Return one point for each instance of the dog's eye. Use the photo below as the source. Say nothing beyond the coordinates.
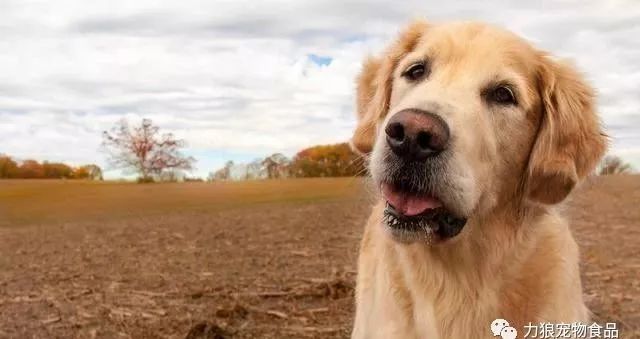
(503, 95)
(415, 72)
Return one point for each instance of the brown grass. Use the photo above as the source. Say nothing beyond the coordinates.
(264, 259)
(44, 201)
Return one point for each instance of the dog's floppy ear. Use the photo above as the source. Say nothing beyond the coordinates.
(374, 87)
(368, 94)
(570, 141)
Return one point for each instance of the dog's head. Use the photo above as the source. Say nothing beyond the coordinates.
(461, 119)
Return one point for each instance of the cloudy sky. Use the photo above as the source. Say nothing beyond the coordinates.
(239, 79)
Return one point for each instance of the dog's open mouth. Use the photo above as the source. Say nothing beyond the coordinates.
(416, 213)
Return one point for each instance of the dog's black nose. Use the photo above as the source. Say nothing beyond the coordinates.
(416, 135)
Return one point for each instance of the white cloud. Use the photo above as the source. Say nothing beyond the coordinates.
(235, 78)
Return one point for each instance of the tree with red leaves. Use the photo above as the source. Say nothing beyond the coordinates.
(144, 150)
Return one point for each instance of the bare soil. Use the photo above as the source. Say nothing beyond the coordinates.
(276, 267)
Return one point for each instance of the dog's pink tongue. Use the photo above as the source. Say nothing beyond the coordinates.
(407, 204)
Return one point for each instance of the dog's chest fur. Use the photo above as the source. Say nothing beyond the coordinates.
(407, 291)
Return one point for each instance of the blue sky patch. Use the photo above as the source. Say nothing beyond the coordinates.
(320, 60)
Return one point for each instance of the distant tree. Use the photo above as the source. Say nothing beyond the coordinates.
(612, 164)
(56, 170)
(170, 176)
(95, 172)
(91, 172)
(143, 150)
(30, 169)
(254, 170)
(226, 170)
(211, 176)
(80, 173)
(8, 167)
(276, 165)
(222, 174)
(327, 161)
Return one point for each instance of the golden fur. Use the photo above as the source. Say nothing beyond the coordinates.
(516, 258)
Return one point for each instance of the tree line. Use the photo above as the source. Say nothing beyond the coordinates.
(156, 156)
(336, 160)
(32, 169)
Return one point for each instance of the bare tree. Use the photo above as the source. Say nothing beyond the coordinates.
(253, 170)
(91, 172)
(144, 150)
(95, 172)
(223, 173)
(276, 165)
(614, 165)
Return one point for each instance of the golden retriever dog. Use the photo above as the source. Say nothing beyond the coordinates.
(473, 137)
